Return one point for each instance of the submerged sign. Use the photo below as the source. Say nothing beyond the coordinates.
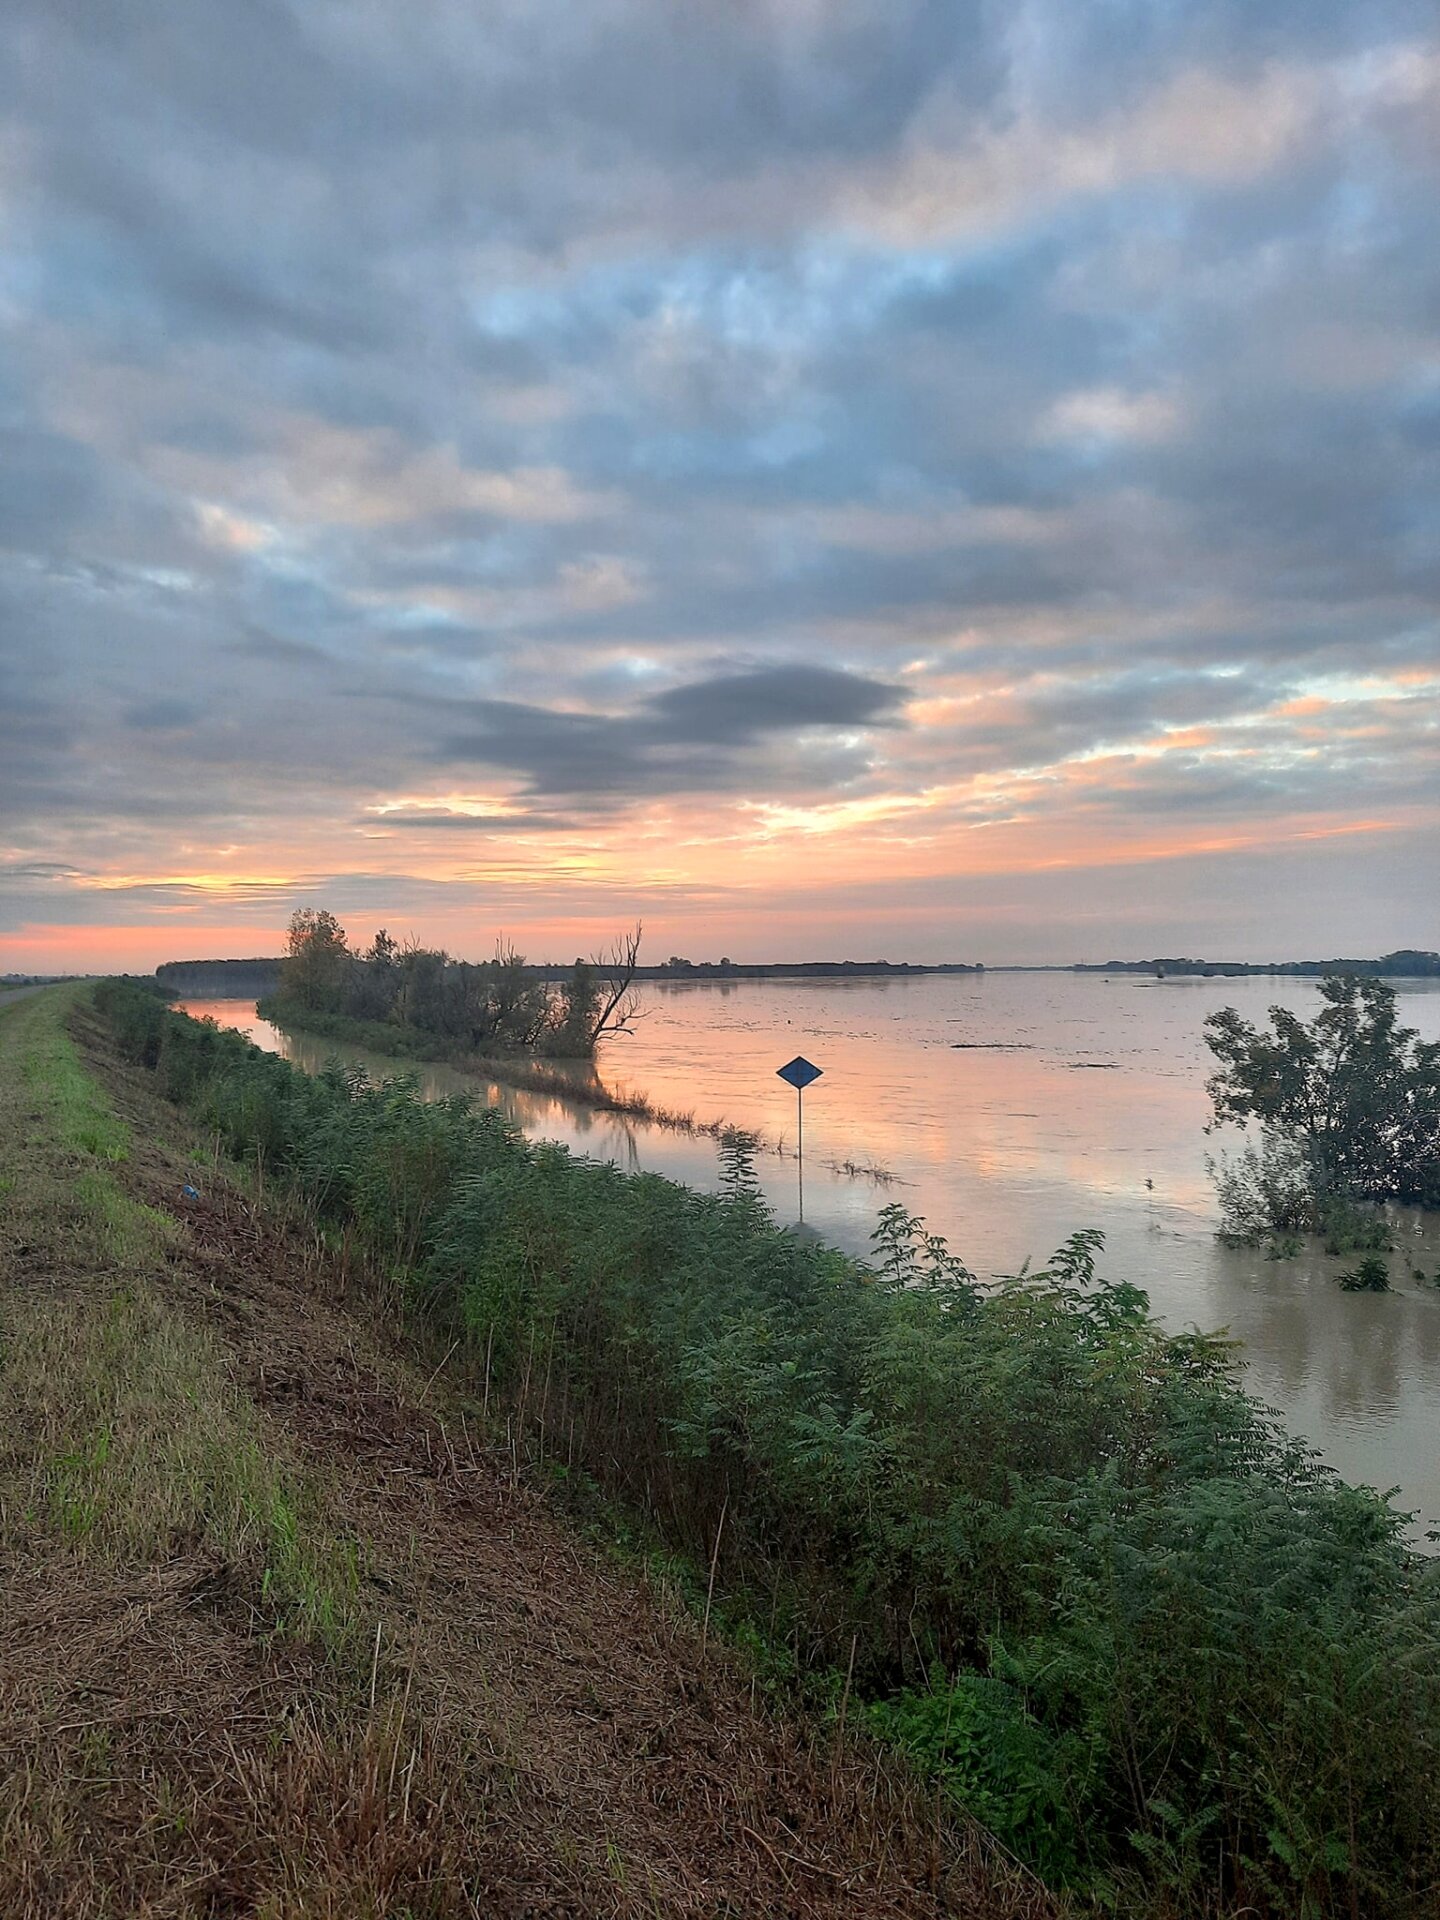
(800, 1072)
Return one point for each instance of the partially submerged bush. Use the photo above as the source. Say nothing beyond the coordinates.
(1371, 1276)
(1353, 1090)
(1268, 1197)
(1265, 1188)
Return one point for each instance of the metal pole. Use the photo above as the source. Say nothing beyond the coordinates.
(800, 1146)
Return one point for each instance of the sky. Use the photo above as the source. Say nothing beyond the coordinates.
(881, 478)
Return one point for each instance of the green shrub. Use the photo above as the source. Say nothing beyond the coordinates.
(1371, 1276)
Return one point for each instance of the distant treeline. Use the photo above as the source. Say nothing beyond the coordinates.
(260, 977)
(221, 978)
(675, 969)
(1407, 963)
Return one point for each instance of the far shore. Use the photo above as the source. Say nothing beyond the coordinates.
(261, 975)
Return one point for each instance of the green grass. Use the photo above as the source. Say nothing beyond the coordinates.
(77, 1116)
(126, 1437)
(122, 1433)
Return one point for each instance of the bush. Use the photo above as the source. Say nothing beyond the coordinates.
(1264, 1189)
(1371, 1276)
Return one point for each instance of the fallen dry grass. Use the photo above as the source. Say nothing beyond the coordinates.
(288, 1635)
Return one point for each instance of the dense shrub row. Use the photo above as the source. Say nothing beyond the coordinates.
(1065, 1560)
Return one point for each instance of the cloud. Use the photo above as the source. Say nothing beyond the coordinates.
(731, 709)
(687, 739)
(1109, 413)
(694, 429)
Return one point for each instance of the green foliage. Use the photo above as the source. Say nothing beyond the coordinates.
(1371, 1276)
(1132, 1625)
(1268, 1198)
(1355, 1094)
(978, 1738)
(1264, 1190)
(1354, 1229)
(430, 1005)
(317, 960)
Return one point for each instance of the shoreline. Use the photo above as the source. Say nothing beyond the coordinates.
(548, 1077)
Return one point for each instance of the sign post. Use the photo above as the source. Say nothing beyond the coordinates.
(800, 1073)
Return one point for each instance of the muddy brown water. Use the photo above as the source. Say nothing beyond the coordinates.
(1013, 1109)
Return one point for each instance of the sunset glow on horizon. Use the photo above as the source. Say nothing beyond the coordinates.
(872, 481)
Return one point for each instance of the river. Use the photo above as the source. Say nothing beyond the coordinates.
(1012, 1109)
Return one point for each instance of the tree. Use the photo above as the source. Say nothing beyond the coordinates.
(572, 1033)
(374, 982)
(317, 960)
(516, 1004)
(501, 1006)
(1358, 1093)
(616, 1002)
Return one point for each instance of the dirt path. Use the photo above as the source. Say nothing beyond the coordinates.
(570, 1746)
(7, 994)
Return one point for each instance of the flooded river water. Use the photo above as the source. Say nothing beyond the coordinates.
(1012, 1109)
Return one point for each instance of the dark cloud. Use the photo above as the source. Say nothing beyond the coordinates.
(734, 708)
(687, 739)
(47, 483)
(425, 819)
(161, 716)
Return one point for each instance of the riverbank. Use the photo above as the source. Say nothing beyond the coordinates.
(574, 1081)
(290, 1626)
(1007, 1526)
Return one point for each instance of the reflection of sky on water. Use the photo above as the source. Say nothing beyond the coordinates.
(1008, 1151)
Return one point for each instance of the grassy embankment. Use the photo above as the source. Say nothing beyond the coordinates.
(285, 1637)
(131, 1468)
(1054, 1553)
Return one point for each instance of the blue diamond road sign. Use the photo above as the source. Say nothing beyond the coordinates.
(799, 1072)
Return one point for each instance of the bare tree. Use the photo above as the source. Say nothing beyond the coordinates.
(617, 1004)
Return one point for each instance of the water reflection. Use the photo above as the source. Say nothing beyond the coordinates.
(1008, 1144)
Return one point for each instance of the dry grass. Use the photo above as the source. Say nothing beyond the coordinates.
(198, 1779)
(122, 1434)
(285, 1636)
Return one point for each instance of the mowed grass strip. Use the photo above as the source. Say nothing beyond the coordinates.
(189, 1720)
(121, 1431)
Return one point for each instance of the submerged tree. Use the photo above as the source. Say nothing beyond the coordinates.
(1355, 1092)
(616, 1001)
